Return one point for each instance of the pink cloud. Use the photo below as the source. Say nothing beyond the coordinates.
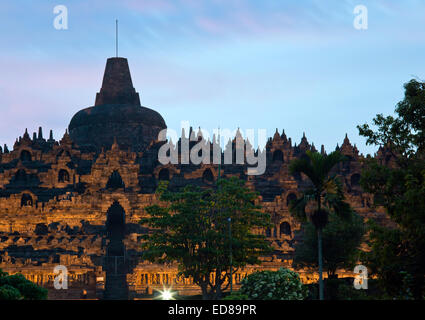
(148, 6)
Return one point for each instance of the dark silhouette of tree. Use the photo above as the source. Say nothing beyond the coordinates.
(397, 252)
(325, 194)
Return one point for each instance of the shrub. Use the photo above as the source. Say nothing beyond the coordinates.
(7, 292)
(283, 284)
(237, 295)
(16, 287)
(343, 289)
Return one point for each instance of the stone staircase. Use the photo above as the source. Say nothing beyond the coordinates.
(116, 287)
(116, 267)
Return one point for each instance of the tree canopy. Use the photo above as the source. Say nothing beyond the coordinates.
(16, 287)
(397, 253)
(205, 231)
(325, 194)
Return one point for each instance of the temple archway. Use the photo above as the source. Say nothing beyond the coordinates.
(115, 227)
(208, 177)
(115, 262)
(21, 176)
(278, 156)
(115, 181)
(63, 176)
(26, 200)
(25, 155)
(285, 229)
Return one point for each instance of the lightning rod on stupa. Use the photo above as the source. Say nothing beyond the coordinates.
(116, 38)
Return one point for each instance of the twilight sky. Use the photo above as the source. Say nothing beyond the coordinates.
(294, 65)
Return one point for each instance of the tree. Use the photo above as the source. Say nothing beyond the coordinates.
(341, 242)
(397, 252)
(16, 287)
(191, 228)
(323, 197)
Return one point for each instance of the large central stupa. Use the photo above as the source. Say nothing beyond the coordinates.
(117, 114)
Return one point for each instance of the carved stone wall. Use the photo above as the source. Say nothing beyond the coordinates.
(54, 210)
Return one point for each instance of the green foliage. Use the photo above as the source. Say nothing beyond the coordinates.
(326, 192)
(283, 284)
(236, 295)
(343, 289)
(191, 227)
(407, 283)
(405, 132)
(16, 287)
(401, 190)
(7, 292)
(341, 240)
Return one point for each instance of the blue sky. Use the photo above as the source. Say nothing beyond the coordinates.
(294, 65)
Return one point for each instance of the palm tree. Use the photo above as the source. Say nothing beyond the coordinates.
(325, 195)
